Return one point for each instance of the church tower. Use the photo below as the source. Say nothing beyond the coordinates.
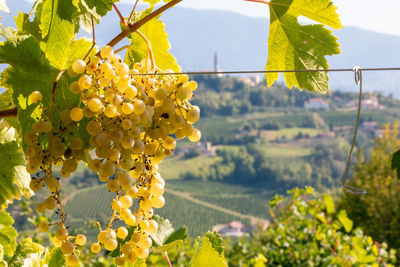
(216, 64)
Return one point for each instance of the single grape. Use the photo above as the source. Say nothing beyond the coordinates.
(44, 226)
(110, 244)
(107, 52)
(76, 114)
(122, 232)
(61, 233)
(67, 247)
(72, 260)
(79, 66)
(36, 97)
(80, 240)
(95, 248)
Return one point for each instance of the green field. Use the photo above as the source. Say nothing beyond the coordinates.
(290, 133)
(343, 118)
(279, 151)
(173, 168)
(94, 204)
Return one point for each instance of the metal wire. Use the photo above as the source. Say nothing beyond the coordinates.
(263, 71)
(350, 189)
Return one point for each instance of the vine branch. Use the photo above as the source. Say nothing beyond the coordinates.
(53, 91)
(133, 27)
(13, 112)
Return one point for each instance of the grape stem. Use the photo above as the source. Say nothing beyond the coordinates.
(132, 12)
(135, 26)
(167, 258)
(13, 112)
(53, 91)
(149, 49)
(120, 16)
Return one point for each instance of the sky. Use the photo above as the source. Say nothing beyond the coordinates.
(380, 16)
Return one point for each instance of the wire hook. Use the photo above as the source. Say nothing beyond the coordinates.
(350, 189)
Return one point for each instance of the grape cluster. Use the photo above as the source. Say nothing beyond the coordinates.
(130, 119)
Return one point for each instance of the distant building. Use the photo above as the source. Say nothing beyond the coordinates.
(326, 135)
(251, 80)
(369, 127)
(316, 103)
(369, 104)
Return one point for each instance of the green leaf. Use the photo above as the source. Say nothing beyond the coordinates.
(396, 162)
(206, 255)
(79, 49)
(4, 7)
(30, 71)
(24, 25)
(154, 31)
(329, 204)
(295, 46)
(25, 249)
(175, 239)
(216, 241)
(153, 2)
(14, 179)
(88, 9)
(55, 258)
(163, 232)
(8, 235)
(58, 31)
(346, 222)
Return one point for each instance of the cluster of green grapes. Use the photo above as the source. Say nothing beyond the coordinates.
(130, 118)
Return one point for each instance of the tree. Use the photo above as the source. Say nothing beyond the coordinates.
(378, 211)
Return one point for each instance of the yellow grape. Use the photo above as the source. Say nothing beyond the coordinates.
(61, 233)
(80, 240)
(67, 247)
(44, 226)
(78, 66)
(72, 260)
(95, 248)
(36, 97)
(122, 232)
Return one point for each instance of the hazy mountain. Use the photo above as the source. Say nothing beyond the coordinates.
(241, 43)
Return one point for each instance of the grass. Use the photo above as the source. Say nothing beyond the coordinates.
(285, 151)
(290, 133)
(173, 168)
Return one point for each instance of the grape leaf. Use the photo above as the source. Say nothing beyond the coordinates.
(8, 235)
(24, 25)
(330, 205)
(346, 222)
(4, 7)
(153, 2)
(24, 249)
(175, 239)
(295, 46)
(58, 31)
(88, 9)
(154, 31)
(164, 230)
(216, 241)
(12, 169)
(29, 71)
(55, 258)
(165, 237)
(206, 255)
